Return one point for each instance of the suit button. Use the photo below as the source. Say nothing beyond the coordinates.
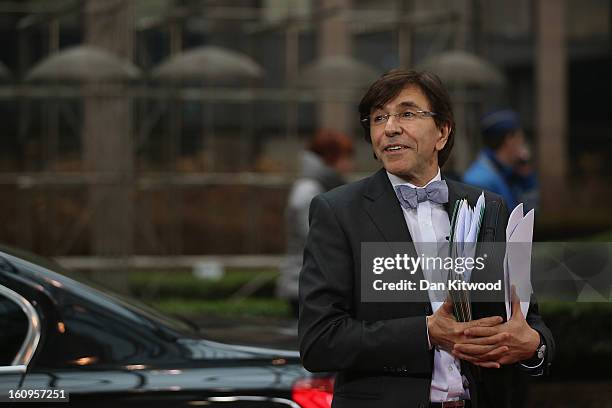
(428, 310)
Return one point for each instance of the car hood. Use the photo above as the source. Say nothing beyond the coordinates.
(200, 349)
(275, 335)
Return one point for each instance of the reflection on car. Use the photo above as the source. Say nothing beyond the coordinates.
(57, 333)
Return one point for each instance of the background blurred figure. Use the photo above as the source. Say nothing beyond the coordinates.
(503, 165)
(328, 156)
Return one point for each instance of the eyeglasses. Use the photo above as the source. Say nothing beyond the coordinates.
(403, 117)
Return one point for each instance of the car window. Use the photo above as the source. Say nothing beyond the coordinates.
(13, 330)
(92, 337)
(130, 309)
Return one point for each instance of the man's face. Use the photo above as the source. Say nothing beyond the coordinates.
(517, 147)
(408, 149)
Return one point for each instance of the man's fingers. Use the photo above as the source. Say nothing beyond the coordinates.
(495, 354)
(482, 353)
(476, 361)
(474, 349)
(481, 331)
(488, 364)
(486, 321)
(497, 339)
(465, 357)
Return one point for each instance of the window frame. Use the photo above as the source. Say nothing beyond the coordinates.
(32, 339)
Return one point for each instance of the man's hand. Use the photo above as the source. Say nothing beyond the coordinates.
(506, 343)
(445, 332)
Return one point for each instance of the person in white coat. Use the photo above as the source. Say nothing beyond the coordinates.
(327, 158)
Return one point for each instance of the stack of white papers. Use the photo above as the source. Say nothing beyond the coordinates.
(517, 261)
(465, 228)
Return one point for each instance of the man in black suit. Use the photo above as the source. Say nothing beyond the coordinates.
(408, 354)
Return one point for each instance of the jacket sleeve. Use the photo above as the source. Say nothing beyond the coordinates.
(330, 337)
(537, 323)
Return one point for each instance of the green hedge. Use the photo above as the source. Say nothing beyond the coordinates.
(243, 308)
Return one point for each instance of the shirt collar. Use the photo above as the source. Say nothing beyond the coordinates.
(396, 181)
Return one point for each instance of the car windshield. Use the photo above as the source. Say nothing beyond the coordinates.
(130, 308)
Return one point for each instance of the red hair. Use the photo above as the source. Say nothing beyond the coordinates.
(331, 145)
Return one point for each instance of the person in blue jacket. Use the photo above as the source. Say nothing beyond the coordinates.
(503, 165)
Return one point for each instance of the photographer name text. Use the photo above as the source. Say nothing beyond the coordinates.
(452, 284)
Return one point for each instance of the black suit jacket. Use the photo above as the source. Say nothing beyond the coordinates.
(380, 350)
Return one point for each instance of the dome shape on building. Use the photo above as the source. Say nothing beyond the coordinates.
(462, 68)
(83, 63)
(208, 63)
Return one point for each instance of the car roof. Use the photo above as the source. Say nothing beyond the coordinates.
(46, 274)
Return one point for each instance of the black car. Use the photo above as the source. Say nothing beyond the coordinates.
(61, 338)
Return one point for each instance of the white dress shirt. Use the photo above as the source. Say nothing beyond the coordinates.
(429, 224)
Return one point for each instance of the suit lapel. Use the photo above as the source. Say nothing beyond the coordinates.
(384, 209)
(455, 193)
(386, 213)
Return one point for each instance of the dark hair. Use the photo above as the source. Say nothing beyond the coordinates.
(390, 84)
(331, 145)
